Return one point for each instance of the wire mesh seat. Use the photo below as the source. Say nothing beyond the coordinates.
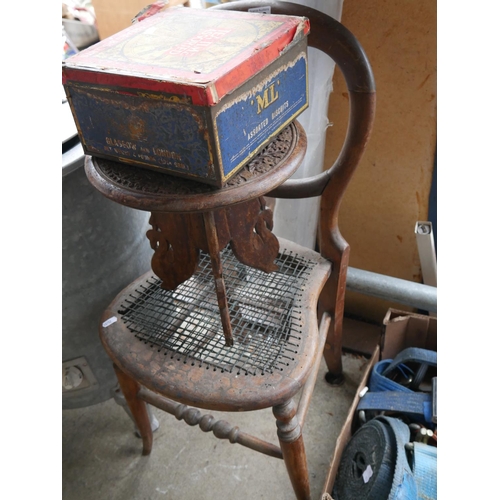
(185, 323)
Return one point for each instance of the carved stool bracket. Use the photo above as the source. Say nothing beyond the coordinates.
(177, 239)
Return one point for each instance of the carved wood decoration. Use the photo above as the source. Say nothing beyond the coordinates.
(175, 258)
(252, 240)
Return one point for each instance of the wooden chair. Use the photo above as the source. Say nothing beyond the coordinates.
(253, 340)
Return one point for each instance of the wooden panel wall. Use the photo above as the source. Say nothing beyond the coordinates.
(390, 190)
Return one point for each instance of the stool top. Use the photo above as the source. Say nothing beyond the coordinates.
(155, 191)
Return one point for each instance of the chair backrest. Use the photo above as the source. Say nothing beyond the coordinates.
(332, 38)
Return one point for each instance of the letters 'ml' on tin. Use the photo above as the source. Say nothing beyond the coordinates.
(191, 92)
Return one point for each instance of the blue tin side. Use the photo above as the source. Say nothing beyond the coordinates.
(151, 132)
(244, 124)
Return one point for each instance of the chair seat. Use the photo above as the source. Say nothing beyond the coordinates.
(172, 341)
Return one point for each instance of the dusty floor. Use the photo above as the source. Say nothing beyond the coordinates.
(102, 456)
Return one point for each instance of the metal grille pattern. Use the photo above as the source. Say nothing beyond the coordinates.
(186, 325)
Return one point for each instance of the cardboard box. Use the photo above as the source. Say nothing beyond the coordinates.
(402, 329)
(192, 92)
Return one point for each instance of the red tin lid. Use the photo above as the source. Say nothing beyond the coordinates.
(202, 53)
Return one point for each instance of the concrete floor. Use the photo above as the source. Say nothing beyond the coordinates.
(102, 456)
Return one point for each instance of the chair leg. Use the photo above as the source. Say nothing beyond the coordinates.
(332, 300)
(292, 446)
(333, 352)
(137, 407)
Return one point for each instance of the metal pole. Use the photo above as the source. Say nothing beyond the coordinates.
(393, 289)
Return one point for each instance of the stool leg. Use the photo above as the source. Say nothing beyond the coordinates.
(220, 287)
(292, 446)
(137, 407)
